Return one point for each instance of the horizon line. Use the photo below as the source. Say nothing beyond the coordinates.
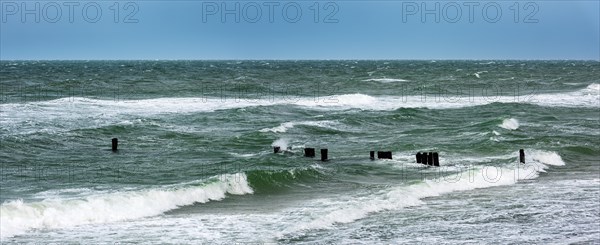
(6, 60)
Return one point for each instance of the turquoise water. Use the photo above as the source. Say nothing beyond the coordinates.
(196, 165)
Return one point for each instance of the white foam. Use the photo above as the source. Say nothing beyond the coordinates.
(353, 100)
(510, 124)
(244, 155)
(344, 101)
(197, 228)
(385, 80)
(592, 89)
(19, 217)
(282, 128)
(478, 74)
(545, 157)
(323, 124)
(581, 98)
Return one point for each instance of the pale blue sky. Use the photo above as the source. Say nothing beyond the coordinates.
(359, 30)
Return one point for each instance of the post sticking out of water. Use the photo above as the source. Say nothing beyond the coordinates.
(419, 157)
(430, 159)
(372, 155)
(384, 154)
(309, 152)
(115, 144)
(436, 159)
(424, 158)
(276, 149)
(323, 155)
(522, 156)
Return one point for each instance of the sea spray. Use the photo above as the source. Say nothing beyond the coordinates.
(282, 142)
(510, 124)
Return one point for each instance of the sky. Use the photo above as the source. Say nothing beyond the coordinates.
(296, 30)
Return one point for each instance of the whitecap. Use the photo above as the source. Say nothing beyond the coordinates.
(510, 124)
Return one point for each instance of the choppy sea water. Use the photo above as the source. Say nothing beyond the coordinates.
(196, 165)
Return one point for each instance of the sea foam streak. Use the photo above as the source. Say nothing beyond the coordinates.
(385, 80)
(19, 217)
(282, 128)
(345, 211)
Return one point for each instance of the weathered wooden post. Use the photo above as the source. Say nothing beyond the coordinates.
(436, 159)
(323, 155)
(430, 159)
(384, 154)
(309, 152)
(115, 144)
(521, 156)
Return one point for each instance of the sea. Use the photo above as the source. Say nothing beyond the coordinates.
(196, 163)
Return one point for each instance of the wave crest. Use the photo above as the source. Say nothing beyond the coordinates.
(510, 124)
(18, 216)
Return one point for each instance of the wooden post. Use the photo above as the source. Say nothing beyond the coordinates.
(522, 156)
(436, 159)
(418, 157)
(323, 155)
(115, 144)
(430, 159)
(372, 155)
(384, 154)
(276, 149)
(309, 152)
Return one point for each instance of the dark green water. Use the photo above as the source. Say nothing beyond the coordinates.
(196, 165)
